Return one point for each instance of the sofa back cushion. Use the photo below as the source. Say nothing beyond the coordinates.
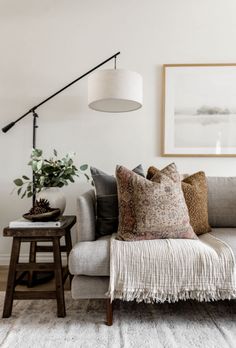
(222, 201)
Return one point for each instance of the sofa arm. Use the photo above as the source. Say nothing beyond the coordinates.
(86, 218)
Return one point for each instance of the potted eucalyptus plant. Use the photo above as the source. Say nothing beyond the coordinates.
(49, 175)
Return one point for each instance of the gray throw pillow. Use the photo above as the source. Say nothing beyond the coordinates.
(107, 200)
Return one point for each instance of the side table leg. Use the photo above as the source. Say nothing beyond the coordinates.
(11, 281)
(68, 250)
(61, 312)
(32, 259)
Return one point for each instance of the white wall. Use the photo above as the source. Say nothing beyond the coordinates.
(46, 44)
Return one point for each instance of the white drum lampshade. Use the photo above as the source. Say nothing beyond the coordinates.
(115, 90)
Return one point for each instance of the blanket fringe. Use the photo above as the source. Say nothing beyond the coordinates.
(140, 295)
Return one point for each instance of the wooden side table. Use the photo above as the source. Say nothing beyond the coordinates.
(34, 235)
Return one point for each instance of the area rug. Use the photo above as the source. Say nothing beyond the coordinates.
(179, 325)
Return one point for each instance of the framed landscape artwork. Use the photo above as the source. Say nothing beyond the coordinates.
(199, 110)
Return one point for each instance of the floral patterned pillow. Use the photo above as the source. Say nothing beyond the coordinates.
(152, 209)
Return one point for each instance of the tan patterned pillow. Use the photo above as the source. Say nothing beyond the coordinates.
(196, 196)
(152, 209)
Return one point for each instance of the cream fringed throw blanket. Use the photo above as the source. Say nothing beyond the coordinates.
(172, 269)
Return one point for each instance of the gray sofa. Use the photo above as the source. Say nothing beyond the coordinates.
(89, 258)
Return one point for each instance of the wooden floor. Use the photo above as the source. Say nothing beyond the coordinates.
(48, 286)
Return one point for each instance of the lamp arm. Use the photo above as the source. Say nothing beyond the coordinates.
(11, 124)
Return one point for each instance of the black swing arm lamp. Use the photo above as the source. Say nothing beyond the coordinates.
(111, 90)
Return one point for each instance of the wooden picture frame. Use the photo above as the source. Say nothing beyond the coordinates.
(199, 110)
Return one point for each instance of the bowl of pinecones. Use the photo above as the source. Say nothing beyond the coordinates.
(42, 211)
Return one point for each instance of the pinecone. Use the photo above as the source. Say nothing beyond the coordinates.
(40, 207)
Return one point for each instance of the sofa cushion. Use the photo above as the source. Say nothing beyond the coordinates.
(84, 287)
(107, 201)
(227, 235)
(152, 209)
(222, 201)
(91, 258)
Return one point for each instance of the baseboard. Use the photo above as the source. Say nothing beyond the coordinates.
(5, 258)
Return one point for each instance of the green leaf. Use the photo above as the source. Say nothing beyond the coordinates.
(55, 152)
(37, 152)
(84, 167)
(29, 194)
(19, 191)
(86, 176)
(39, 164)
(25, 177)
(34, 166)
(41, 180)
(18, 182)
(23, 195)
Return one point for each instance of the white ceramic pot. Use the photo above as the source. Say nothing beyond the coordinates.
(55, 197)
